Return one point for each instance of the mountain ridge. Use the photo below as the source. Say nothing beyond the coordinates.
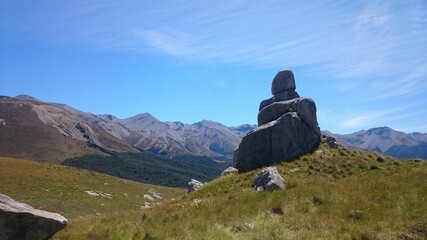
(100, 133)
(387, 141)
(37, 130)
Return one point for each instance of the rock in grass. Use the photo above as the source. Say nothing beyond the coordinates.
(333, 143)
(194, 185)
(229, 170)
(21, 221)
(269, 179)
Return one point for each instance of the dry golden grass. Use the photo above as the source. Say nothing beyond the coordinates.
(332, 194)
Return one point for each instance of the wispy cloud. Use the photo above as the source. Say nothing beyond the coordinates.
(374, 51)
(325, 112)
(342, 38)
(364, 119)
(174, 43)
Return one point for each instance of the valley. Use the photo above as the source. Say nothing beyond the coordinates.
(331, 193)
(213, 120)
(103, 174)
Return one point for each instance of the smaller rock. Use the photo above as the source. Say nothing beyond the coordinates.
(149, 197)
(158, 196)
(194, 185)
(269, 179)
(92, 193)
(319, 152)
(333, 143)
(284, 80)
(229, 170)
(145, 206)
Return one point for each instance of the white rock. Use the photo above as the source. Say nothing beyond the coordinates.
(149, 197)
(229, 170)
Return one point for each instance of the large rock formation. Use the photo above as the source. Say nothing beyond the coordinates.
(21, 221)
(287, 127)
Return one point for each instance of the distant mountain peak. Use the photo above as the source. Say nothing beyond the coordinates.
(380, 130)
(386, 140)
(108, 117)
(143, 116)
(205, 122)
(26, 97)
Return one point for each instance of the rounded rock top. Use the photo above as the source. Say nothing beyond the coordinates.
(283, 81)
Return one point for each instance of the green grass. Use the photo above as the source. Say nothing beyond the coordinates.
(62, 189)
(335, 194)
(331, 194)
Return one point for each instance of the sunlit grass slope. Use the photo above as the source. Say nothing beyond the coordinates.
(331, 194)
(64, 189)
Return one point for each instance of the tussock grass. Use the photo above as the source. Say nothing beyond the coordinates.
(63, 189)
(331, 194)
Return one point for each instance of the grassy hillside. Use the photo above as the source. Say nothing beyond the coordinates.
(63, 189)
(331, 194)
(150, 168)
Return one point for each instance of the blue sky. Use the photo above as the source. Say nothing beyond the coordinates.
(363, 62)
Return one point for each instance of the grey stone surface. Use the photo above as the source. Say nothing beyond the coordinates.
(269, 179)
(229, 170)
(284, 80)
(282, 96)
(21, 221)
(280, 140)
(194, 185)
(305, 107)
(287, 128)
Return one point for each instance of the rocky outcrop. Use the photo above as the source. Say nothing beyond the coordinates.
(287, 128)
(194, 185)
(269, 179)
(21, 221)
(229, 170)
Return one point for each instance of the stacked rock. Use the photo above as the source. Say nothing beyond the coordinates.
(282, 88)
(287, 128)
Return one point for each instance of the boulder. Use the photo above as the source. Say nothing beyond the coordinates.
(305, 108)
(333, 143)
(229, 170)
(287, 128)
(283, 81)
(21, 221)
(269, 179)
(280, 140)
(282, 96)
(194, 185)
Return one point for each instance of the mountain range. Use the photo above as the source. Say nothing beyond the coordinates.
(52, 132)
(386, 141)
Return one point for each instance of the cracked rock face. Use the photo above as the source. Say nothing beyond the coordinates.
(287, 128)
